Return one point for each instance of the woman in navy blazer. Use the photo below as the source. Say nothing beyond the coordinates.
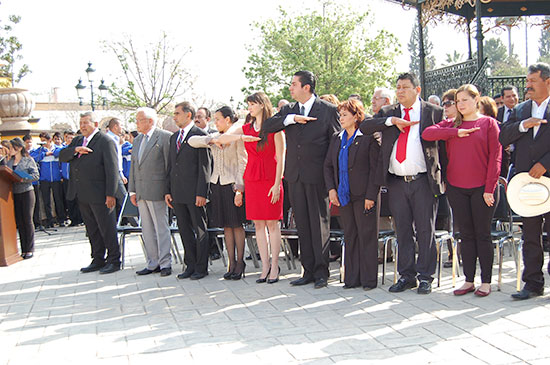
(350, 168)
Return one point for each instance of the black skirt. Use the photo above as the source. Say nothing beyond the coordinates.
(223, 212)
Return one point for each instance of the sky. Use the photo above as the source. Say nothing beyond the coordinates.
(61, 36)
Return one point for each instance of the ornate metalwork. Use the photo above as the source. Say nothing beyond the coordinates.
(480, 79)
(498, 82)
(450, 77)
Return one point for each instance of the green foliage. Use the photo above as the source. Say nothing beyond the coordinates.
(544, 45)
(10, 48)
(453, 58)
(335, 47)
(500, 63)
(414, 50)
(152, 75)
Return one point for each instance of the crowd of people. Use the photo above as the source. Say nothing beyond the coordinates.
(329, 154)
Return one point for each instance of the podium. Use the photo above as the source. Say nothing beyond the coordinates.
(9, 253)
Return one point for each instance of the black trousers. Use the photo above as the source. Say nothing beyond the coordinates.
(361, 240)
(101, 229)
(23, 204)
(36, 211)
(474, 223)
(533, 254)
(71, 205)
(414, 208)
(311, 212)
(57, 189)
(194, 235)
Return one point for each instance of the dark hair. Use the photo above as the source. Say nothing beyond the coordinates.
(113, 122)
(17, 142)
(355, 107)
(409, 76)
(226, 112)
(267, 112)
(449, 95)
(487, 106)
(206, 111)
(307, 78)
(45, 135)
(544, 69)
(508, 87)
(68, 133)
(355, 96)
(57, 134)
(134, 133)
(187, 107)
(26, 137)
(497, 96)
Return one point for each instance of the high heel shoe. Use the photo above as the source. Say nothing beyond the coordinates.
(238, 273)
(264, 279)
(230, 271)
(273, 281)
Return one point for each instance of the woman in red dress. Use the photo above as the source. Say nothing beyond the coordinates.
(263, 183)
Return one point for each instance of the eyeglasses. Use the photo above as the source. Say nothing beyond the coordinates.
(447, 103)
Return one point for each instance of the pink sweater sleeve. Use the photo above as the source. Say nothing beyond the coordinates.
(495, 156)
(441, 131)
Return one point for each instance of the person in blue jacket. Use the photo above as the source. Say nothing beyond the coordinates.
(71, 206)
(50, 180)
(127, 154)
(33, 152)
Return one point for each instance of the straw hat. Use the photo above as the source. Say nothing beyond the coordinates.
(527, 196)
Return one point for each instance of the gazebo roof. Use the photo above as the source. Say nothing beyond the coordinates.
(489, 8)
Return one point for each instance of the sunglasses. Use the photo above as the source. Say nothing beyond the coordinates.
(448, 103)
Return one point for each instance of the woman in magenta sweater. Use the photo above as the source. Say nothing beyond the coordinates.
(474, 155)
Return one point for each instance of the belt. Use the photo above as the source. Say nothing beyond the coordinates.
(409, 178)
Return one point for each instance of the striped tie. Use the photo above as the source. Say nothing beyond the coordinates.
(180, 140)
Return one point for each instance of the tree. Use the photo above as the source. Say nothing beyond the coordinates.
(152, 76)
(334, 46)
(10, 48)
(453, 58)
(414, 50)
(544, 44)
(499, 61)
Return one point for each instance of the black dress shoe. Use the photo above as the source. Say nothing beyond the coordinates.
(346, 286)
(167, 271)
(425, 287)
(109, 269)
(301, 281)
(28, 255)
(526, 294)
(92, 267)
(402, 285)
(186, 274)
(215, 256)
(145, 271)
(198, 275)
(320, 283)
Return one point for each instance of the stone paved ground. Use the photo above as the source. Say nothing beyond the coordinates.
(51, 313)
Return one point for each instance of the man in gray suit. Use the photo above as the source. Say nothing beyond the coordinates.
(148, 174)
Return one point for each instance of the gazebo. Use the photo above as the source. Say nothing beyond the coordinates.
(473, 70)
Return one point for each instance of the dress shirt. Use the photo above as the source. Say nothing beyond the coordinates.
(414, 163)
(356, 134)
(537, 111)
(183, 131)
(89, 138)
(307, 108)
(116, 138)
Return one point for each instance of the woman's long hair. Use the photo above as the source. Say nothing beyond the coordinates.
(267, 112)
(17, 142)
(473, 92)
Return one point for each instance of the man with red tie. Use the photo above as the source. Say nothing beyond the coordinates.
(410, 168)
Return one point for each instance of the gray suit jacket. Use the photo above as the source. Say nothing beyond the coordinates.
(148, 176)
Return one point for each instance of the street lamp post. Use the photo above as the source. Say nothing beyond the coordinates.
(102, 88)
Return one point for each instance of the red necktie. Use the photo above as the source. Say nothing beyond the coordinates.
(401, 151)
(179, 141)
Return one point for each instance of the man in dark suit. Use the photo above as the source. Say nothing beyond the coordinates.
(309, 125)
(94, 182)
(528, 130)
(188, 185)
(410, 168)
(510, 98)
